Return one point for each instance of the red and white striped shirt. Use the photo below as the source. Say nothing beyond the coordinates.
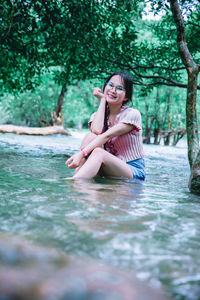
(128, 146)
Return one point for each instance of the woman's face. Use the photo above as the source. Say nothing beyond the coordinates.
(114, 91)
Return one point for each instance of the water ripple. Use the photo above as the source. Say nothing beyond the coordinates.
(151, 227)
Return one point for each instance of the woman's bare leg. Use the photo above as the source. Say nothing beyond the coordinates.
(86, 140)
(109, 164)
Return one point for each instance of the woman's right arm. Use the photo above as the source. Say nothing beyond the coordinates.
(97, 124)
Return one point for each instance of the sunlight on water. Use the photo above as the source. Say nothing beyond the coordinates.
(152, 227)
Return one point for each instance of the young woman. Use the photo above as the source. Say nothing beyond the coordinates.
(114, 145)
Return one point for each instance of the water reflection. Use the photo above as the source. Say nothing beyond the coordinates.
(113, 203)
(108, 191)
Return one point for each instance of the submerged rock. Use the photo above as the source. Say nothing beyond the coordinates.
(31, 272)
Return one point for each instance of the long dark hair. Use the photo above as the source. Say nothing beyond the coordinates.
(128, 86)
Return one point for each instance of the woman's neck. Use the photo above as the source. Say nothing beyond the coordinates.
(114, 109)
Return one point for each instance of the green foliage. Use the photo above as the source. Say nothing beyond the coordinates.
(157, 60)
(77, 41)
(80, 103)
(166, 104)
(32, 108)
(86, 39)
(20, 57)
(36, 108)
(4, 113)
(75, 35)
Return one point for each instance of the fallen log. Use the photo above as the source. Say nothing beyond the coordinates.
(49, 130)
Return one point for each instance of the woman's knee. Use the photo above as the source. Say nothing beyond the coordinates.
(98, 153)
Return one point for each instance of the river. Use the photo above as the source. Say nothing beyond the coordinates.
(151, 227)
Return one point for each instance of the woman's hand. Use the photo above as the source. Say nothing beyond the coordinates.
(75, 160)
(97, 93)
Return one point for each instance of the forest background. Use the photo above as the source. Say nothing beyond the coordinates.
(54, 52)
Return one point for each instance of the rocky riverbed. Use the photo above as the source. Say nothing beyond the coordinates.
(33, 272)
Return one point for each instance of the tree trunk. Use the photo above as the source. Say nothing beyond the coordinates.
(191, 111)
(194, 182)
(147, 139)
(57, 118)
(156, 134)
(49, 130)
(156, 131)
(192, 133)
(178, 136)
(168, 118)
(191, 117)
(167, 140)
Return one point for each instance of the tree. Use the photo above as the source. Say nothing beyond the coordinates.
(165, 64)
(186, 20)
(22, 55)
(193, 69)
(83, 39)
(88, 32)
(74, 37)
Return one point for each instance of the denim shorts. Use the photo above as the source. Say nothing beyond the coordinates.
(138, 168)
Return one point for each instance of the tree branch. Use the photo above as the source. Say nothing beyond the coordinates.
(163, 80)
(194, 24)
(155, 83)
(181, 36)
(158, 67)
(12, 15)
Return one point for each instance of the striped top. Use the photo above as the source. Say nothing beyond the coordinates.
(128, 146)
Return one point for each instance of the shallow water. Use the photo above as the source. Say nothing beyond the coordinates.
(151, 228)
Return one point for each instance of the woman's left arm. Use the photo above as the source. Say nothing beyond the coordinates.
(101, 139)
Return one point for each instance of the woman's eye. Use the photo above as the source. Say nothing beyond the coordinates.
(119, 88)
(110, 84)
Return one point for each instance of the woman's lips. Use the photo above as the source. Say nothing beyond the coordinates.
(111, 96)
